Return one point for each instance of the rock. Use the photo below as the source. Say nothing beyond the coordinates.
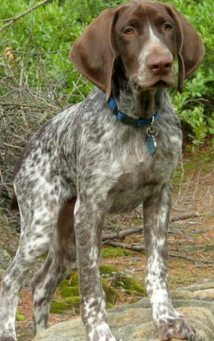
(204, 290)
(134, 321)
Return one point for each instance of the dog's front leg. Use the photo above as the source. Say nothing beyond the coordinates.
(88, 227)
(169, 322)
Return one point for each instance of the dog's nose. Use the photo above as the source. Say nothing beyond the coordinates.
(160, 64)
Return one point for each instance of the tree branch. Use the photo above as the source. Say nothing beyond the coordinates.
(140, 247)
(130, 231)
(132, 247)
(184, 216)
(122, 234)
(29, 10)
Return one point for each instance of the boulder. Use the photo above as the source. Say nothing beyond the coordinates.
(134, 321)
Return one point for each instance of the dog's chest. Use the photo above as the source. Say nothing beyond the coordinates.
(133, 183)
(134, 173)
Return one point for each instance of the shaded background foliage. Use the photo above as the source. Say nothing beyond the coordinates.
(37, 79)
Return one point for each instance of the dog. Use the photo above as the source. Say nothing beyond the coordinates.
(113, 151)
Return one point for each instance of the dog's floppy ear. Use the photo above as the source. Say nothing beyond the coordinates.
(93, 53)
(190, 48)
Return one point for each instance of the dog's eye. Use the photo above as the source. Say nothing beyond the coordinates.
(129, 30)
(167, 27)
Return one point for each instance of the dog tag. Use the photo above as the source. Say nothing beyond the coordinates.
(151, 144)
(150, 139)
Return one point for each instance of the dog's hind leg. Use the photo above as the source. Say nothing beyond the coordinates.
(62, 255)
(37, 220)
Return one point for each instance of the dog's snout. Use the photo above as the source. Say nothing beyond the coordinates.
(160, 64)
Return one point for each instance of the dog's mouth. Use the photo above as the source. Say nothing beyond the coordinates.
(163, 82)
(166, 82)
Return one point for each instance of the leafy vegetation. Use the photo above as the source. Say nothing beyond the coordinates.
(37, 78)
(195, 104)
(40, 44)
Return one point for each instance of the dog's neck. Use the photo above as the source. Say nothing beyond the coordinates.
(142, 104)
(137, 103)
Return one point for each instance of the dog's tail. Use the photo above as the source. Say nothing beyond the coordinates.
(14, 203)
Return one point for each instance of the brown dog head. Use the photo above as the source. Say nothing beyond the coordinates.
(146, 37)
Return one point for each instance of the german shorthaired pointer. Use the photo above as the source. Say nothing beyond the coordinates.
(111, 152)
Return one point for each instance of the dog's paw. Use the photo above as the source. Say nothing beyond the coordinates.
(176, 328)
(100, 332)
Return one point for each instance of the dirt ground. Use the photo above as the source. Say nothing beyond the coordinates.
(190, 241)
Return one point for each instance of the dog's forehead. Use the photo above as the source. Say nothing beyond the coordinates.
(142, 11)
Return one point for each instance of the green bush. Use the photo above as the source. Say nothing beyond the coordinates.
(195, 104)
(42, 39)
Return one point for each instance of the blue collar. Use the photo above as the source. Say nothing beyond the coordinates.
(122, 117)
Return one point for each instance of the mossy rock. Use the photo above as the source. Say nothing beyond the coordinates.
(129, 284)
(111, 252)
(114, 284)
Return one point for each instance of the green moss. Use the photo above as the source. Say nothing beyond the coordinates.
(71, 281)
(69, 291)
(19, 316)
(58, 307)
(109, 305)
(64, 284)
(73, 301)
(114, 284)
(111, 252)
(107, 269)
(130, 285)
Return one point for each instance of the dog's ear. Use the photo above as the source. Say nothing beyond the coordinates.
(93, 53)
(190, 48)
